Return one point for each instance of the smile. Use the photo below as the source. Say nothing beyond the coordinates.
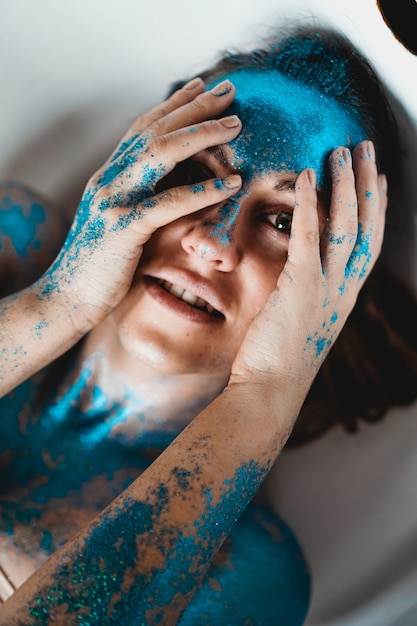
(187, 296)
(183, 295)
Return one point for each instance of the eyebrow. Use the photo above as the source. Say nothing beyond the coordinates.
(285, 185)
(218, 153)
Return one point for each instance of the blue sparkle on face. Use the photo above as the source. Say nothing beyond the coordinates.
(287, 125)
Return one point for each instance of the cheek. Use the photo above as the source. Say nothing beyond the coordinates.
(260, 282)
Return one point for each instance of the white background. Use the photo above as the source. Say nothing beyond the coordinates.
(73, 75)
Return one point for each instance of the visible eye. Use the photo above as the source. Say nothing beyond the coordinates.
(281, 220)
(185, 173)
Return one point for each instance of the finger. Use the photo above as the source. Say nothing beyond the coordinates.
(178, 99)
(205, 106)
(304, 242)
(177, 202)
(371, 212)
(342, 231)
(168, 150)
(181, 144)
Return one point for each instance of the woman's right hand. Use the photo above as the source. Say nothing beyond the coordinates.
(119, 210)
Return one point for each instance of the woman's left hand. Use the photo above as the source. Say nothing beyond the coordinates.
(320, 282)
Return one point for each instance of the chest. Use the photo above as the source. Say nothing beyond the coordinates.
(59, 467)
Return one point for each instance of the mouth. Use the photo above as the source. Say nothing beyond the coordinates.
(187, 297)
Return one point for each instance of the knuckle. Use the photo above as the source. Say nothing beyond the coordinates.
(179, 97)
(312, 237)
(171, 197)
(199, 107)
(161, 143)
(100, 196)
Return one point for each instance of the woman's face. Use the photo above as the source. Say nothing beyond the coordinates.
(203, 278)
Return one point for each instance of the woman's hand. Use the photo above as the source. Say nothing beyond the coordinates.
(319, 285)
(120, 211)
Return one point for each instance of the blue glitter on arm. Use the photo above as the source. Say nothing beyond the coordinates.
(133, 566)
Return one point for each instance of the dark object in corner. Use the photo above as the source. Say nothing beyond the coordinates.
(401, 17)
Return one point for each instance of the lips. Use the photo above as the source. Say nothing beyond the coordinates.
(187, 296)
(186, 299)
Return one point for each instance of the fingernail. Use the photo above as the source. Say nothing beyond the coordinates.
(222, 89)
(230, 122)
(347, 157)
(232, 182)
(193, 84)
(384, 183)
(311, 175)
(371, 150)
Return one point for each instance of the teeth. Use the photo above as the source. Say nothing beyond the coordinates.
(176, 291)
(187, 296)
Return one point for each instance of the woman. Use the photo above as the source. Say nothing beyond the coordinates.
(211, 265)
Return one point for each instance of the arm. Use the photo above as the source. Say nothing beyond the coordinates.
(117, 215)
(141, 559)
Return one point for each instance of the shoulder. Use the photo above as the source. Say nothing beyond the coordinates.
(32, 230)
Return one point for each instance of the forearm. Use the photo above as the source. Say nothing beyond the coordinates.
(142, 558)
(36, 326)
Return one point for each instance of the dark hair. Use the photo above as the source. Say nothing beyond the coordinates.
(373, 364)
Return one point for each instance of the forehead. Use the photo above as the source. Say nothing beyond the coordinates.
(287, 125)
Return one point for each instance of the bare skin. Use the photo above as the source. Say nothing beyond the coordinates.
(236, 435)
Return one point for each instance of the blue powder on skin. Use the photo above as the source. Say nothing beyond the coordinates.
(105, 589)
(260, 577)
(361, 253)
(21, 225)
(219, 184)
(81, 446)
(120, 162)
(323, 341)
(320, 343)
(46, 541)
(222, 223)
(287, 125)
(197, 188)
(336, 239)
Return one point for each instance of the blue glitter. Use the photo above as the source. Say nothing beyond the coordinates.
(20, 225)
(260, 577)
(80, 445)
(337, 239)
(197, 188)
(223, 222)
(219, 184)
(46, 541)
(320, 343)
(104, 587)
(287, 125)
(361, 252)
(121, 161)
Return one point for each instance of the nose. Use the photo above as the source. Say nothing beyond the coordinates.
(213, 236)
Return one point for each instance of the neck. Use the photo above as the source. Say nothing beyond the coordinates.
(113, 383)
